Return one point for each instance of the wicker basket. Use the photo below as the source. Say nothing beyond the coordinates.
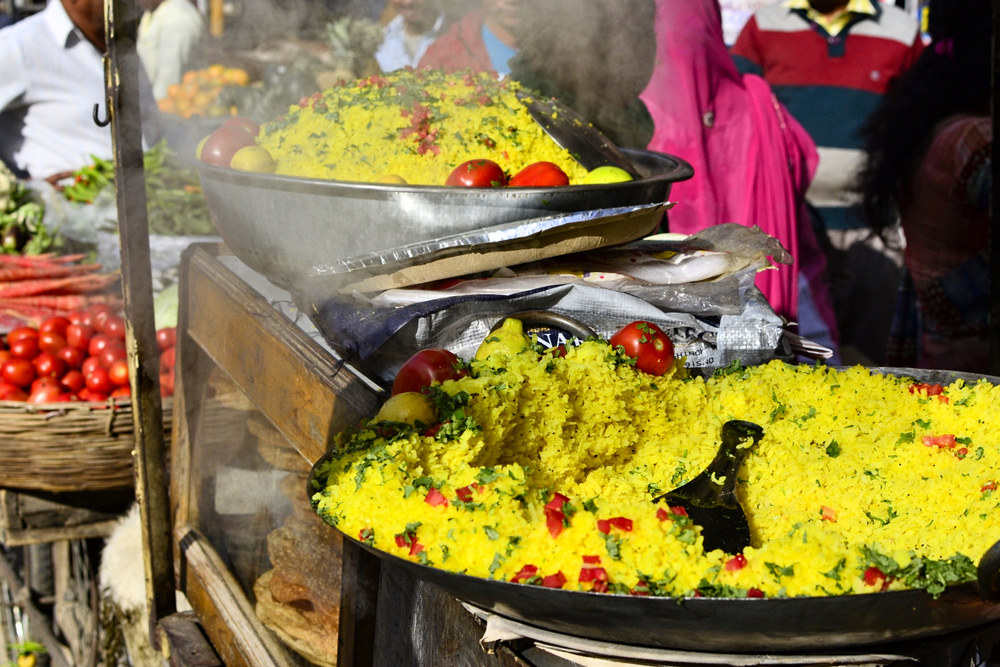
(72, 447)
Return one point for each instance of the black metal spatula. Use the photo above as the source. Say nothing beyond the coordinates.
(712, 505)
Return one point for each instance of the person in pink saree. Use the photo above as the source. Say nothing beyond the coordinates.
(752, 161)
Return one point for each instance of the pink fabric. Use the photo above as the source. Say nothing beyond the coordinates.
(752, 161)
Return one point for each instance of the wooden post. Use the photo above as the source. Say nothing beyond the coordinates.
(216, 18)
(121, 22)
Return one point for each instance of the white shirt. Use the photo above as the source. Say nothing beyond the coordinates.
(168, 37)
(393, 54)
(51, 79)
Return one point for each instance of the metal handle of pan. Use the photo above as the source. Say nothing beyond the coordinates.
(989, 575)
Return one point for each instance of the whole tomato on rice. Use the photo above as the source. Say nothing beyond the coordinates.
(427, 367)
(539, 175)
(477, 174)
(647, 344)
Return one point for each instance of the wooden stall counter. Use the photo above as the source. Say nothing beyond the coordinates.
(259, 397)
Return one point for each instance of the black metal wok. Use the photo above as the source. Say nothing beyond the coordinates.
(771, 625)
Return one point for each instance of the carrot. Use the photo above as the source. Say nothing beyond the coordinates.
(77, 284)
(67, 259)
(67, 302)
(13, 274)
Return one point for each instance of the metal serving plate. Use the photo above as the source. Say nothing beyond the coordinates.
(282, 226)
(745, 625)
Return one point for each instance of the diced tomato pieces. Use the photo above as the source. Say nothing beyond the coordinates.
(600, 587)
(622, 523)
(525, 573)
(698, 594)
(400, 541)
(557, 502)
(989, 486)
(557, 580)
(944, 399)
(961, 453)
(415, 548)
(588, 574)
(554, 522)
(604, 526)
(679, 510)
(433, 430)
(478, 487)
(872, 575)
(931, 389)
(755, 593)
(592, 560)
(435, 498)
(736, 563)
(362, 534)
(827, 513)
(464, 494)
(661, 514)
(946, 441)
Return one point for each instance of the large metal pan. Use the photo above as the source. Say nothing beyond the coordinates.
(770, 625)
(282, 226)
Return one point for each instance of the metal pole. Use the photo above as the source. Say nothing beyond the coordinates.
(122, 83)
(994, 324)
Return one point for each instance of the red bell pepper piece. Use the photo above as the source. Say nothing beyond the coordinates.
(661, 514)
(679, 510)
(946, 441)
(622, 523)
(755, 593)
(464, 494)
(604, 526)
(557, 502)
(435, 498)
(592, 560)
(589, 574)
(557, 580)
(736, 563)
(554, 522)
(931, 389)
(525, 573)
(989, 486)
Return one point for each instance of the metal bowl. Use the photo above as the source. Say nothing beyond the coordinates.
(282, 226)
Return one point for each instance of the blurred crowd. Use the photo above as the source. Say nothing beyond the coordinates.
(857, 137)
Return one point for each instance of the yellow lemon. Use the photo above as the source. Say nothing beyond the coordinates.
(391, 179)
(408, 408)
(607, 174)
(508, 340)
(253, 158)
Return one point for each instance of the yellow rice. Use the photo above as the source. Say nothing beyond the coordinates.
(359, 131)
(610, 438)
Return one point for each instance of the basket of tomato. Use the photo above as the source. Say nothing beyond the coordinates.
(65, 408)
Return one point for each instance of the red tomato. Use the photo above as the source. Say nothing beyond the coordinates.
(89, 364)
(79, 335)
(425, 368)
(110, 355)
(11, 392)
(118, 372)
(98, 308)
(115, 327)
(168, 359)
(100, 342)
(21, 333)
(92, 396)
(54, 325)
(98, 380)
(166, 338)
(49, 394)
(49, 341)
(101, 318)
(74, 318)
(73, 381)
(222, 144)
(44, 382)
(87, 320)
(245, 124)
(477, 174)
(4, 356)
(121, 392)
(647, 344)
(167, 384)
(18, 371)
(26, 348)
(539, 175)
(49, 365)
(72, 357)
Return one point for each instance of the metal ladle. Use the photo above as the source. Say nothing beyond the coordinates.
(585, 143)
(710, 498)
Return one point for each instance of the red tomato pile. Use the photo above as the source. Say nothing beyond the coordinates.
(76, 358)
(488, 174)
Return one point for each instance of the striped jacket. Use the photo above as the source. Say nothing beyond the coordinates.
(831, 84)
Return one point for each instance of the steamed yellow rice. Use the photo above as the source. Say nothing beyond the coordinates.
(419, 125)
(611, 438)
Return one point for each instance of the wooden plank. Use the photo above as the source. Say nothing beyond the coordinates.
(183, 644)
(227, 615)
(359, 595)
(20, 538)
(40, 624)
(299, 386)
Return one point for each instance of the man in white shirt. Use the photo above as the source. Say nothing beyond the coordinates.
(53, 75)
(409, 34)
(169, 38)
